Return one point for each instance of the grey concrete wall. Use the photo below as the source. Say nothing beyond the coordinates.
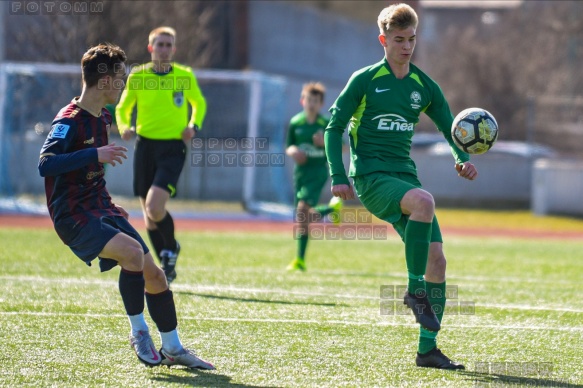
(302, 42)
(309, 45)
(557, 187)
(504, 181)
(304, 45)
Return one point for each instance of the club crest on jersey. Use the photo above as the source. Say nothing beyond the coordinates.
(59, 131)
(416, 99)
(178, 98)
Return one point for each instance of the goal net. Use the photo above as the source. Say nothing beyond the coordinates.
(238, 157)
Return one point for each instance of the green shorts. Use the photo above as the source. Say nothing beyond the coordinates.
(381, 194)
(309, 184)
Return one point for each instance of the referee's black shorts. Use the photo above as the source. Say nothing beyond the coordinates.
(157, 163)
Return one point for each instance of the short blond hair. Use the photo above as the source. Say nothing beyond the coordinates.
(397, 16)
(314, 89)
(156, 32)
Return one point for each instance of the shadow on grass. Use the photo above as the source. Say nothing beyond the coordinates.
(255, 300)
(199, 378)
(481, 379)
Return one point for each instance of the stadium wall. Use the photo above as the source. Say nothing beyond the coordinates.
(504, 181)
(234, 112)
(557, 187)
(306, 44)
(497, 187)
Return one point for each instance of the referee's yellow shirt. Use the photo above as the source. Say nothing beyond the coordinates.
(162, 102)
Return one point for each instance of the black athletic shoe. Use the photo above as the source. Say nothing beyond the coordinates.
(436, 359)
(168, 259)
(422, 310)
(170, 276)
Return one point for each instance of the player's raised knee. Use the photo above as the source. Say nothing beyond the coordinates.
(420, 204)
(426, 203)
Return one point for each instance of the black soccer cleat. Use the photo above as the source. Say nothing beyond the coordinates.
(168, 259)
(424, 314)
(435, 359)
(170, 276)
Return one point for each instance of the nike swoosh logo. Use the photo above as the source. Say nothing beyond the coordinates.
(154, 353)
(168, 357)
(380, 90)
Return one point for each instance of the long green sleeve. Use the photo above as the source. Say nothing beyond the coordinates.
(333, 145)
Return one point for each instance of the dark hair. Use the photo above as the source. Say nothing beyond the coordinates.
(101, 60)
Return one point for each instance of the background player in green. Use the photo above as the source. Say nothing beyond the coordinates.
(381, 105)
(305, 144)
(162, 91)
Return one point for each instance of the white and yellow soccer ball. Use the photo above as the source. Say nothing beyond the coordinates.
(474, 130)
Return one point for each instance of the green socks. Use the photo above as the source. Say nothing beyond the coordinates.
(417, 236)
(417, 240)
(303, 239)
(302, 245)
(436, 296)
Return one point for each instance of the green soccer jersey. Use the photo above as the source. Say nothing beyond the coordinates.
(381, 112)
(300, 134)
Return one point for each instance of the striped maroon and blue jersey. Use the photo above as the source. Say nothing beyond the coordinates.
(74, 178)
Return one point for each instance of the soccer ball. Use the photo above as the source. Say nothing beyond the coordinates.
(474, 130)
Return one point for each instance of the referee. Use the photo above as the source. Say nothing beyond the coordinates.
(161, 90)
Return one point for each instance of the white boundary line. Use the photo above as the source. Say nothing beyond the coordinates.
(301, 321)
(235, 289)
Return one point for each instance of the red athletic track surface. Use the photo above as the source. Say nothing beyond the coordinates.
(20, 221)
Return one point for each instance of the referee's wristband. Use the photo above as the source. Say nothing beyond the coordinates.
(195, 128)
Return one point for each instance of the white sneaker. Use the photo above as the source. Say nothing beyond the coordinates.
(185, 357)
(145, 349)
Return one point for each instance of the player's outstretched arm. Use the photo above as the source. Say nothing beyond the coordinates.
(467, 170)
(111, 154)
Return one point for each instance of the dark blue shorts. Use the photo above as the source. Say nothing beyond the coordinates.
(88, 241)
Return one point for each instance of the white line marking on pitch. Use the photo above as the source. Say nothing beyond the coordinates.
(299, 321)
(235, 289)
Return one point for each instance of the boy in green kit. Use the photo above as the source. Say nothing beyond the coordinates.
(381, 105)
(305, 144)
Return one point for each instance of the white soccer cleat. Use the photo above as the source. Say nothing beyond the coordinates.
(186, 358)
(145, 349)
